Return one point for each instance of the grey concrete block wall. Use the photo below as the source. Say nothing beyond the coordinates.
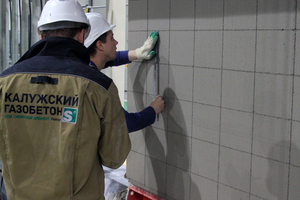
(229, 71)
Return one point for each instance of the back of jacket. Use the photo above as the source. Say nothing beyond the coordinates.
(61, 120)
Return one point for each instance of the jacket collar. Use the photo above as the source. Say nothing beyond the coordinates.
(93, 65)
(58, 46)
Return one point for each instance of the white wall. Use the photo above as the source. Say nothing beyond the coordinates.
(229, 71)
(116, 14)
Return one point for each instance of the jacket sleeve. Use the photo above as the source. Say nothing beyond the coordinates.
(121, 59)
(114, 143)
(140, 120)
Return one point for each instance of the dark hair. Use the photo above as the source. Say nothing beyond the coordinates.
(63, 32)
(92, 48)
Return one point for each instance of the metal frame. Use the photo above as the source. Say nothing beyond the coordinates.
(18, 28)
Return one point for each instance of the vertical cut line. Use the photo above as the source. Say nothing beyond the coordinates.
(193, 86)
(168, 98)
(168, 62)
(292, 105)
(253, 106)
(221, 91)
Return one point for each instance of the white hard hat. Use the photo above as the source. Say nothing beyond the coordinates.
(99, 26)
(58, 14)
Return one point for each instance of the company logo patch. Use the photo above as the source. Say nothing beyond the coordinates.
(69, 115)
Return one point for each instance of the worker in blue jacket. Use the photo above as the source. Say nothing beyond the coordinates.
(97, 42)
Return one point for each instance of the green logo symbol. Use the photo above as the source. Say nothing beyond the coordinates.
(69, 115)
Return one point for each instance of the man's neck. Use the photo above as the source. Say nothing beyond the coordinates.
(100, 63)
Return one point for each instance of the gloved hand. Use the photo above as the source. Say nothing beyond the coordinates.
(145, 52)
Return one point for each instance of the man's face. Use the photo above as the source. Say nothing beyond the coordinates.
(110, 47)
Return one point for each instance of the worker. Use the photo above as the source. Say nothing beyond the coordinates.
(61, 120)
(97, 42)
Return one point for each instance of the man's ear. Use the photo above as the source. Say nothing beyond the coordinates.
(99, 45)
(41, 37)
(81, 35)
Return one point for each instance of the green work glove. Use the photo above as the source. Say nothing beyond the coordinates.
(145, 52)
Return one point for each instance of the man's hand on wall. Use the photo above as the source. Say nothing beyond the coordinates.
(158, 104)
(145, 52)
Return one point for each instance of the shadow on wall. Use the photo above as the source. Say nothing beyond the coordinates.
(276, 171)
(277, 176)
(155, 147)
(294, 192)
(170, 170)
(178, 152)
